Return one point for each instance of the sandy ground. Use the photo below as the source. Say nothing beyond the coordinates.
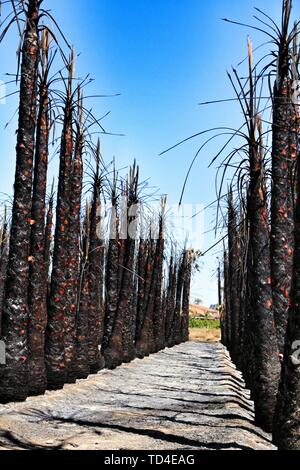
(188, 397)
(205, 334)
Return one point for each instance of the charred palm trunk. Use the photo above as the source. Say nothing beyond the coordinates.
(171, 305)
(134, 307)
(146, 328)
(164, 316)
(80, 367)
(57, 308)
(142, 262)
(158, 318)
(286, 424)
(186, 296)
(233, 259)
(266, 357)
(176, 327)
(38, 276)
(247, 319)
(129, 327)
(227, 304)
(111, 280)
(14, 382)
(96, 276)
(117, 349)
(223, 306)
(123, 233)
(219, 287)
(4, 247)
(283, 156)
(48, 237)
(150, 311)
(74, 228)
(244, 311)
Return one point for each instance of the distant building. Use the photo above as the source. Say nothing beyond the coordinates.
(200, 311)
(214, 307)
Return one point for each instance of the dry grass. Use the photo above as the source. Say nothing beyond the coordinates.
(205, 335)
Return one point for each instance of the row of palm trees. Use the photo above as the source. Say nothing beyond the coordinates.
(261, 317)
(77, 296)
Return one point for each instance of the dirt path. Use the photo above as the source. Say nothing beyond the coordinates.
(188, 397)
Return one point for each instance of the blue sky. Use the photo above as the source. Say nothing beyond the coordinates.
(164, 57)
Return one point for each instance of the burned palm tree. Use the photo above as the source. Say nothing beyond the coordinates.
(58, 301)
(266, 367)
(176, 324)
(115, 351)
(244, 340)
(151, 299)
(158, 317)
(4, 247)
(130, 263)
(96, 273)
(286, 422)
(234, 268)
(171, 302)
(15, 309)
(227, 305)
(141, 270)
(284, 151)
(144, 335)
(73, 238)
(112, 270)
(259, 329)
(80, 366)
(38, 272)
(48, 238)
(190, 259)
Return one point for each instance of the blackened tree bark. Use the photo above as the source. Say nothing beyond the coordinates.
(4, 249)
(286, 423)
(38, 276)
(14, 382)
(186, 296)
(234, 269)
(227, 304)
(73, 242)
(219, 287)
(96, 276)
(150, 309)
(176, 327)
(141, 269)
(112, 271)
(283, 156)
(171, 304)
(158, 318)
(145, 332)
(133, 316)
(58, 301)
(242, 355)
(130, 313)
(266, 356)
(48, 238)
(80, 367)
(115, 352)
